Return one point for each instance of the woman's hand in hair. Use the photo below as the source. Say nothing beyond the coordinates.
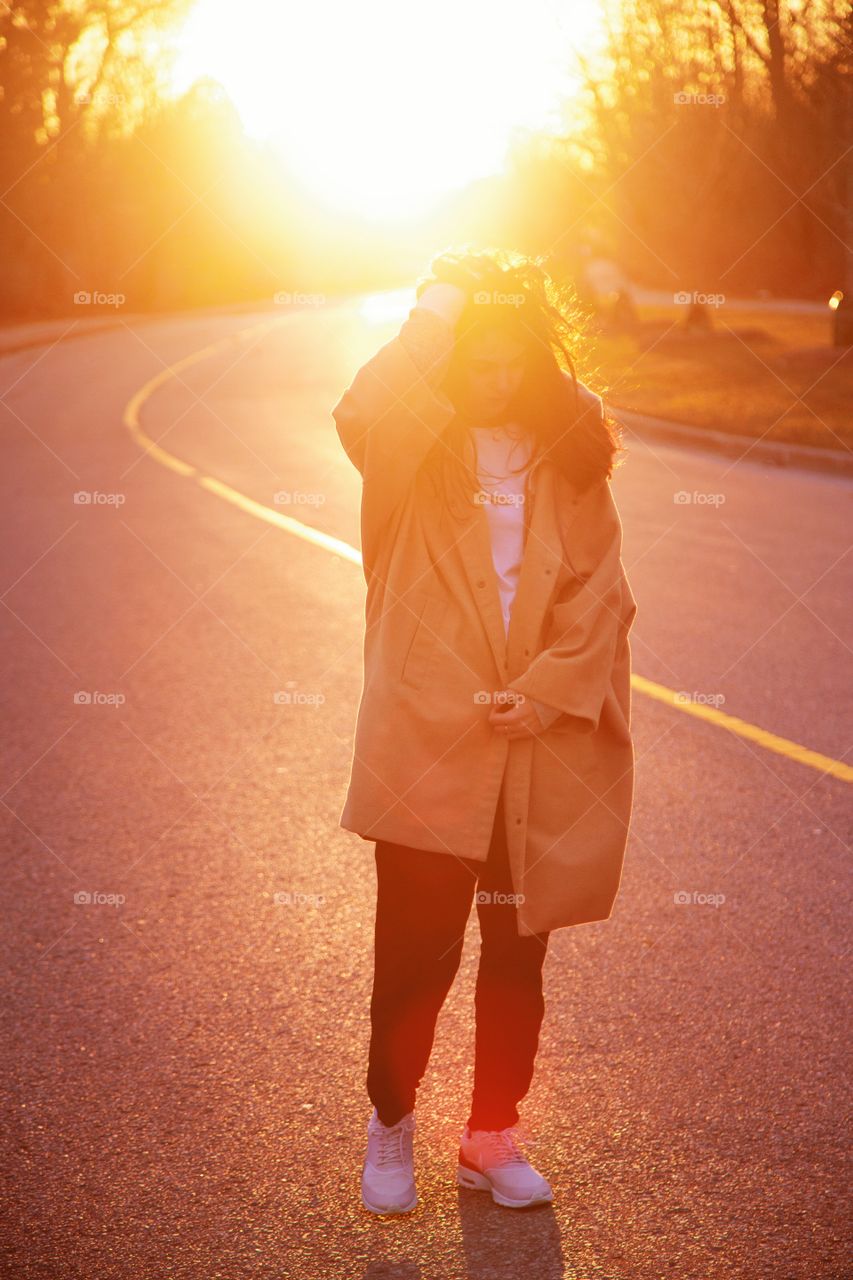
(465, 278)
(445, 300)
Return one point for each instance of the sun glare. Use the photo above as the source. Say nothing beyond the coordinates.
(382, 108)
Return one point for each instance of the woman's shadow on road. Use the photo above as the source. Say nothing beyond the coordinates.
(499, 1244)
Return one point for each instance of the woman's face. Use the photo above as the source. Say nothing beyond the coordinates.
(492, 369)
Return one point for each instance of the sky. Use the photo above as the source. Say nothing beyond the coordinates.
(380, 108)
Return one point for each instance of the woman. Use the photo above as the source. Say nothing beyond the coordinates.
(492, 747)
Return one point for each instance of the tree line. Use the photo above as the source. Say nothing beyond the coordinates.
(709, 150)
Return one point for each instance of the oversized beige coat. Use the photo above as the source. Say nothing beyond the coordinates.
(427, 765)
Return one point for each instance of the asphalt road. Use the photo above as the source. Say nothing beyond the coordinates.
(185, 1051)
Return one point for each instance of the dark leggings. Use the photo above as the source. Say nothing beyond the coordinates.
(422, 907)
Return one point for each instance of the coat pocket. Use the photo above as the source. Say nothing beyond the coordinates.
(424, 648)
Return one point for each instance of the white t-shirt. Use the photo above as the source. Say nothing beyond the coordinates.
(503, 459)
(500, 451)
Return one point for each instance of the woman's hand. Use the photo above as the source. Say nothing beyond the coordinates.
(514, 716)
(445, 300)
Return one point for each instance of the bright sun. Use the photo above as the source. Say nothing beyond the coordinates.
(382, 107)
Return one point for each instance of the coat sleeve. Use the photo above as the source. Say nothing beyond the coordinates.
(546, 714)
(588, 620)
(393, 412)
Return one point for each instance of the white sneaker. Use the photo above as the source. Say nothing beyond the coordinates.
(489, 1160)
(388, 1176)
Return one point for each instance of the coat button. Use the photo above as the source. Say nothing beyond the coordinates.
(481, 583)
(518, 820)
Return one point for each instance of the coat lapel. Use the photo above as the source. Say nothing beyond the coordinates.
(539, 569)
(476, 550)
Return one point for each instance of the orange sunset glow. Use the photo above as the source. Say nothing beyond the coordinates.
(380, 114)
(425, 637)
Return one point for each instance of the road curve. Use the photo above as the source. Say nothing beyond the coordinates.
(188, 937)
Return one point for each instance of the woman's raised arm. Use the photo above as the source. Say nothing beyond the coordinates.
(393, 412)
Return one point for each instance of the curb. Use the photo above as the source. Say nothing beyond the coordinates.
(48, 337)
(52, 330)
(837, 462)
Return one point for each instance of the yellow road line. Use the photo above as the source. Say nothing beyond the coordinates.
(304, 531)
(222, 490)
(770, 741)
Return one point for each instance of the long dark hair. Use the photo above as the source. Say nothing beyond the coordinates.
(514, 294)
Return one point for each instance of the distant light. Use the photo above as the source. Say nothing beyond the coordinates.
(383, 308)
(429, 106)
(835, 300)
